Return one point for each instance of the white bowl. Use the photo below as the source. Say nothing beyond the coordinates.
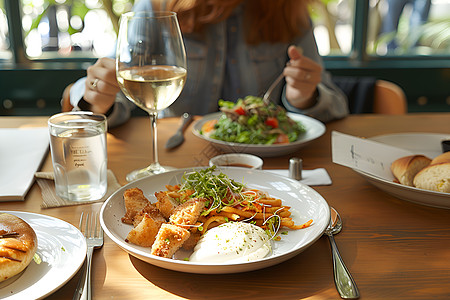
(314, 130)
(237, 160)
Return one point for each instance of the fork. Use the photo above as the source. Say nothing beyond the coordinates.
(94, 240)
(268, 94)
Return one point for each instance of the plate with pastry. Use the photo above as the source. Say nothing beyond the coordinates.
(43, 254)
(422, 177)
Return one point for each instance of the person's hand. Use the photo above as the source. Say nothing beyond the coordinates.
(101, 85)
(302, 76)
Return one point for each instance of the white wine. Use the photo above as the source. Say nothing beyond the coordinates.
(150, 68)
(153, 87)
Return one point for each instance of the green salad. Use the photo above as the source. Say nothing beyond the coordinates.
(251, 121)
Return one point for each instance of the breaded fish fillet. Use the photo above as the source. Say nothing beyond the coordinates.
(186, 214)
(168, 240)
(144, 234)
(151, 210)
(135, 201)
(165, 204)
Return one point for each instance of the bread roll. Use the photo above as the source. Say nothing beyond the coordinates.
(18, 244)
(435, 177)
(405, 168)
(444, 157)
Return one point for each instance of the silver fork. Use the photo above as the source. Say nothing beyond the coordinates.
(94, 240)
(268, 93)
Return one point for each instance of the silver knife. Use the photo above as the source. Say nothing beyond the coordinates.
(178, 138)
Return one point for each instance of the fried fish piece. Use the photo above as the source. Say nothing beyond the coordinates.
(187, 214)
(168, 240)
(151, 210)
(165, 203)
(135, 201)
(144, 234)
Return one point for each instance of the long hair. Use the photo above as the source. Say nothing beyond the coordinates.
(265, 20)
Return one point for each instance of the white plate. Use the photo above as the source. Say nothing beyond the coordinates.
(428, 144)
(305, 204)
(62, 249)
(314, 130)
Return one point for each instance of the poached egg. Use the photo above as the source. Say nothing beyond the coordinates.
(232, 242)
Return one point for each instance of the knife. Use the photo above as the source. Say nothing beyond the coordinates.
(178, 138)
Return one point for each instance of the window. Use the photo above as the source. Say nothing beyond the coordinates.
(49, 44)
(408, 27)
(70, 29)
(413, 54)
(5, 52)
(392, 28)
(333, 26)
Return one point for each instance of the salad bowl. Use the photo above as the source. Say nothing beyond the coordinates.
(313, 130)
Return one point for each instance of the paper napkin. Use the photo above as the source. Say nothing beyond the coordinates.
(309, 177)
(21, 154)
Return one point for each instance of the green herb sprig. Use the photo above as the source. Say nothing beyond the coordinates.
(215, 187)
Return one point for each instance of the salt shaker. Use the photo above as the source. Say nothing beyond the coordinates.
(295, 168)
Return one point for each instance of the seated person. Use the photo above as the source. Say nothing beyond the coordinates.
(234, 48)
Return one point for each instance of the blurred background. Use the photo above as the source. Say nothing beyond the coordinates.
(47, 44)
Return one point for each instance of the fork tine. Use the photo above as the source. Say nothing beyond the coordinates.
(81, 221)
(96, 224)
(87, 229)
(90, 227)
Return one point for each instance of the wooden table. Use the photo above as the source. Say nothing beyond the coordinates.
(393, 248)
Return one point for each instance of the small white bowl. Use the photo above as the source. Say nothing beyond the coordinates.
(237, 160)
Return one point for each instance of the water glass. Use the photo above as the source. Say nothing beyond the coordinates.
(78, 148)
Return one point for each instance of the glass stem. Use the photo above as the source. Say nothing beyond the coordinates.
(153, 119)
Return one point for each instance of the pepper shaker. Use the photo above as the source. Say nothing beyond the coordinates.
(295, 168)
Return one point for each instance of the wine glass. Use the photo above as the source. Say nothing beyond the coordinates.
(150, 69)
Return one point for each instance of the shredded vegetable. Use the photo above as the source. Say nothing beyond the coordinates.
(233, 201)
(220, 189)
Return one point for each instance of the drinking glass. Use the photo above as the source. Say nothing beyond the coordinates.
(150, 69)
(78, 148)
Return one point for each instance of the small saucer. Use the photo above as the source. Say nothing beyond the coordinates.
(237, 160)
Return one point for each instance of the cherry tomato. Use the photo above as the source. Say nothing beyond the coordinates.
(239, 110)
(272, 122)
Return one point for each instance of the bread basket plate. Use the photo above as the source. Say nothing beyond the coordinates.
(62, 249)
(304, 201)
(314, 130)
(428, 144)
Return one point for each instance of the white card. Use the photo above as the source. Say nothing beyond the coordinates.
(365, 155)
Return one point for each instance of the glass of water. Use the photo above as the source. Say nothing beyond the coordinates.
(78, 148)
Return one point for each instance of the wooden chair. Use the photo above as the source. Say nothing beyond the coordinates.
(389, 99)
